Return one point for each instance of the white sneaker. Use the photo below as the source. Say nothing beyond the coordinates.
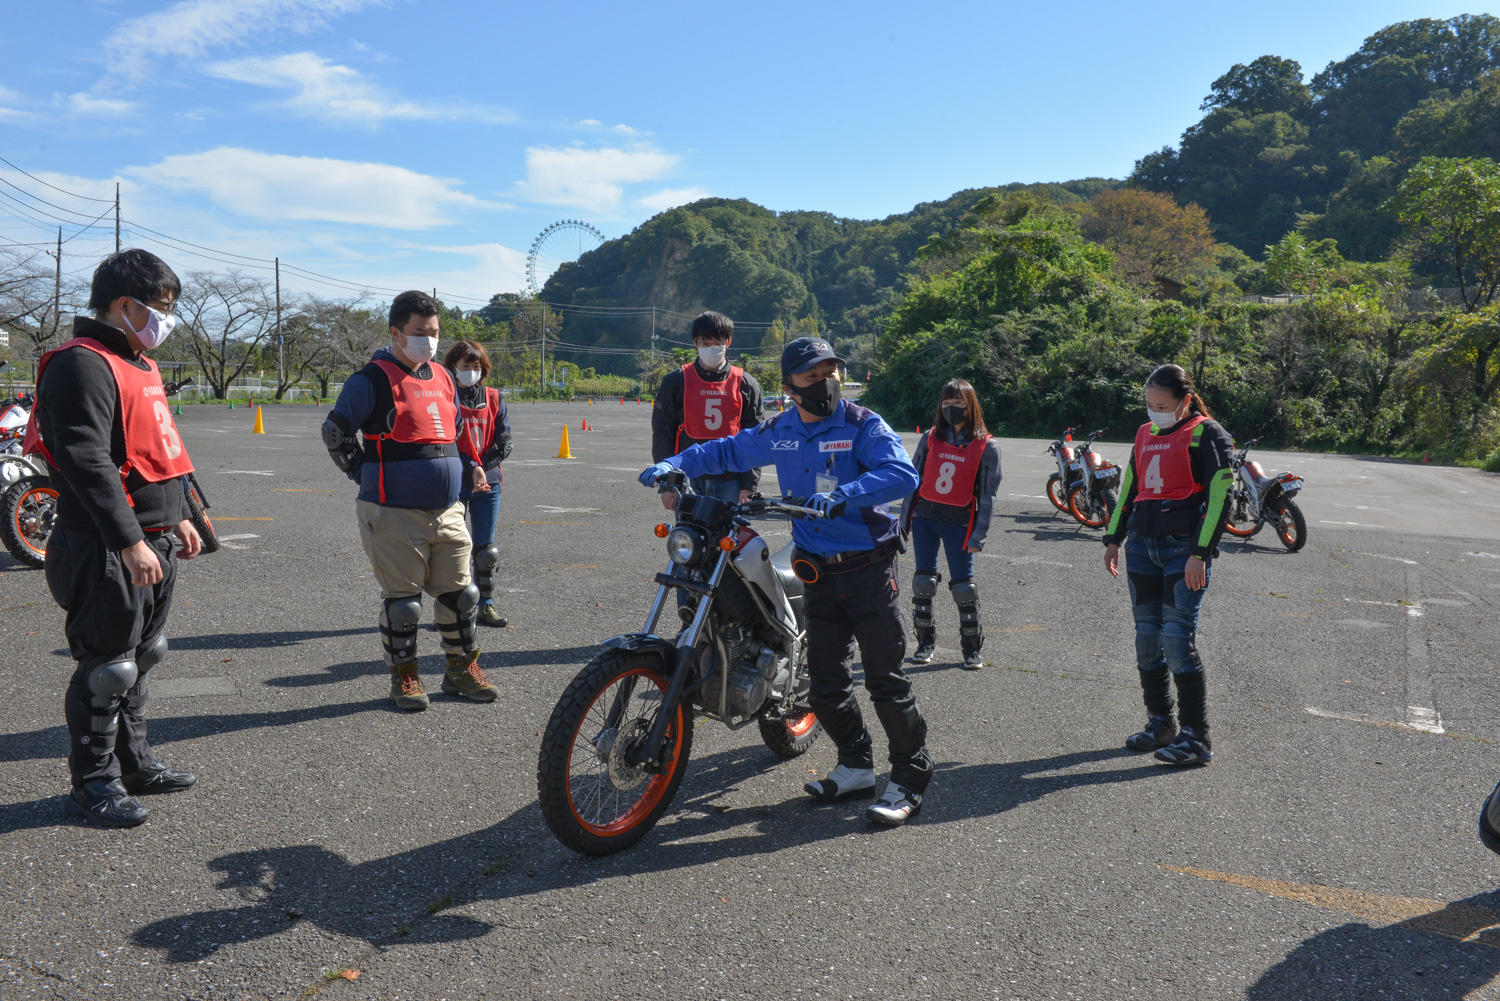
(895, 806)
(842, 783)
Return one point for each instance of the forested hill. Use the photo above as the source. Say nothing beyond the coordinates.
(809, 270)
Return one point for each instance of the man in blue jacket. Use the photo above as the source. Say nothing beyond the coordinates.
(835, 453)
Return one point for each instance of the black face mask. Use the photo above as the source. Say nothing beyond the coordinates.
(955, 415)
(820, 399)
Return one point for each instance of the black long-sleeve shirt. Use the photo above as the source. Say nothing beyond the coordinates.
(666, 416)
(78, 411)
(986, 485)
(1201, 516)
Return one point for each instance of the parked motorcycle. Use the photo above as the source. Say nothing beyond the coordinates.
(14, 414)
(617, 744)
(1069, 470)
(28, 506)
(1258, 500)
(1093, 498)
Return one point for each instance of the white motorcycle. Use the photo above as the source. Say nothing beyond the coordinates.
(1259, 499)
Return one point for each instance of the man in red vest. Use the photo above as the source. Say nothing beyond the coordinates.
(103, 424)
(394, 431)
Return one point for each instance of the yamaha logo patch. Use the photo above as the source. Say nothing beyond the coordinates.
(836, 446)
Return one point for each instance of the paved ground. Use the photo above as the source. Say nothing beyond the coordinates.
(1329, 851)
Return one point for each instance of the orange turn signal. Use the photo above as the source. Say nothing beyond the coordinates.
(662, 530)
(726, 544)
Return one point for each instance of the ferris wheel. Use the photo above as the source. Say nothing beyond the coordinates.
(558, 244)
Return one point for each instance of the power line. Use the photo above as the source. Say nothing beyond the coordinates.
(54, 187)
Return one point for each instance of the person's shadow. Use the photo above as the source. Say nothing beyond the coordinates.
(1459, 955)
(403, 897)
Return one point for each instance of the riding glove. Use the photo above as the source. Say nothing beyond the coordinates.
(651, 474)
(825, 503)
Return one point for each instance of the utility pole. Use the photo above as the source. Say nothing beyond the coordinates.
(542, 313)
(653, 336)
(57, 287)
(280, 338)
(117, 217)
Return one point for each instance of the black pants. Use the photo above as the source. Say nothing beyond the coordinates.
(108, 618)
(860, 606)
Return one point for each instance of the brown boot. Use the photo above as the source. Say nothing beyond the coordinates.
(466, 678)
(406, 688)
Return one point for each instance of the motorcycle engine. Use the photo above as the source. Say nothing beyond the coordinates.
(756, 673)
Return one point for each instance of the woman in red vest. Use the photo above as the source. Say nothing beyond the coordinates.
(1173, 502)
(960, 467)
(483, 436)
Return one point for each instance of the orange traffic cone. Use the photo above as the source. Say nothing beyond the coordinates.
(584, 425)
(260, 424)
(919, 429)
(562, 447)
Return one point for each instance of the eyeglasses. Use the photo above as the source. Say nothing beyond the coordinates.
(160, 305)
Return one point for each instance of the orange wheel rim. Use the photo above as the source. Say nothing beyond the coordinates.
(800, 726)
(656, 785)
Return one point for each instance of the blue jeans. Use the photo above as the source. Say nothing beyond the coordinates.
(484, 514)
(1165, 609)
(927, 534)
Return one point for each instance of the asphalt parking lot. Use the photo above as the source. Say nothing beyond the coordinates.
(1328, 852)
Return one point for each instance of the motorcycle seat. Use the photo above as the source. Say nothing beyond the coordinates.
(781, 560)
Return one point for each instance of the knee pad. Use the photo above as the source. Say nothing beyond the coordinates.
(965, 592)
(152, 655)
(113, 678)
(486, 558)
(401, 615)
(924, 585)
(462, 601)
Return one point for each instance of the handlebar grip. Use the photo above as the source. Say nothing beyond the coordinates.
(836, 510)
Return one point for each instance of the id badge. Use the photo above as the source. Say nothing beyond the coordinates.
(826, 483)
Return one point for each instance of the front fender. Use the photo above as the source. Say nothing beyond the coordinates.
(665, 649)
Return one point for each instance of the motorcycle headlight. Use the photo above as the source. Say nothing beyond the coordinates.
(682, 546)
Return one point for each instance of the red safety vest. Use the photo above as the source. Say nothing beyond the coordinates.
(710, 409)
(153, 449)
(1163, 463)
(426, 413)
(951, 473)
(476, 425)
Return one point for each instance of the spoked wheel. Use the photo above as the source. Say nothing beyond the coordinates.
(29, 507)
(595, 794)
(198, 515)
(1055, 492)
(790, 736)
(1091, 513)
(1241, 521)
(1291, 526)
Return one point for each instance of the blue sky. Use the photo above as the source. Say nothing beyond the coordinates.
(396, 143)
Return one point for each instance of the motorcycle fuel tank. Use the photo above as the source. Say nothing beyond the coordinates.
(754, 562)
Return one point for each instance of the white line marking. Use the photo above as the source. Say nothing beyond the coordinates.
(1350, 524)
(1424, 719)
(247, 472)
(1363, 718)
(237, 538)
(567, 510)
(1421, 709)
(1383, 556)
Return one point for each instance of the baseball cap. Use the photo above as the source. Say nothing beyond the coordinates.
(805, 352)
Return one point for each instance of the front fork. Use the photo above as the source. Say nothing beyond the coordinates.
(649, 753)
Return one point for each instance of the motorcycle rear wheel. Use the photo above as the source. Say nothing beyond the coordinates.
(199, 517)
(1291, 526)
(1089, 514)
(592, 798)
(791, 737)
(1055, 492)
(28, 508)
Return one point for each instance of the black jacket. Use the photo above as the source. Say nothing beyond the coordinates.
(666, 416)
(78, 411)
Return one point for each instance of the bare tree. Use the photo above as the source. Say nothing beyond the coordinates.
(32, 304)
(347, 331)
(226, 317)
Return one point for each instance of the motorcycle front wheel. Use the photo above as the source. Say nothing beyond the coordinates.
(199, 517)
(1091, 514)
(1291, 526)
(1055, 492)
(29, 507)
(595, 799)
(1241, 522)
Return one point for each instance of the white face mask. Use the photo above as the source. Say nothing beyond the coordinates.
(158, 326)
(468, 376)
(420, 349)
(712, 356)
(1162, 418)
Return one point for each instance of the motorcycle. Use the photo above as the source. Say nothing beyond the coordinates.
(617, 743)
(1257, 500)
(1069, 470)
(14, 413)
(1093, 498)
(28, 506)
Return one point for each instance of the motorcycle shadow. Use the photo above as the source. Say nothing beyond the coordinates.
(1048, 527)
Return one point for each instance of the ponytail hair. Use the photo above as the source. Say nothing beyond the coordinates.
(1175, 380)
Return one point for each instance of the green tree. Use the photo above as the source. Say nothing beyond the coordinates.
(1150, 235)
(1450, 209)
(1270, 83)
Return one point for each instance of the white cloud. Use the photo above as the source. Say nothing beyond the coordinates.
(669, 198)
(84, 104)
(596, 124)
(191, 28)
(270, 186)
(332, 92)
(492, 267)
(589, 179)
